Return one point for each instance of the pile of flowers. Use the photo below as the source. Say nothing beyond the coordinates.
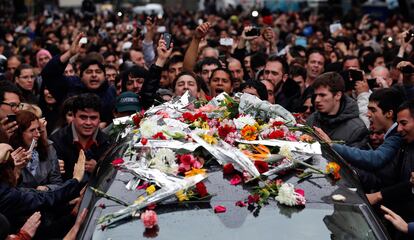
(249, 146)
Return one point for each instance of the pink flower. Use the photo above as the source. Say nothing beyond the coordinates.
(182, 168)
(241, 204)
(219, 209)
(207, 108)
(300, 197)
(163, 114)
(236, 179)
(246, 176)
(291, 137)
(143, 186)
(197, 164)
(149, 218)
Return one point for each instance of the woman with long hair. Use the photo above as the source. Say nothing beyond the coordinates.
(42, 171)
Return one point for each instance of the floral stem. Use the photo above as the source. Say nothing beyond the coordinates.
(308, 166)
(109, 197)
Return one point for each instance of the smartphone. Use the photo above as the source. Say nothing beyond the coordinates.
(226, 41)
(255, 31)
(32, 146)
(161, 29)
(372, 83)
(167, 38)
(83, 41)
(11, 118)
(356, 75)
(301, 41)
(335, 27)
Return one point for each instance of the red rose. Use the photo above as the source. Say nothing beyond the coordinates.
(159, 135)
(187, 159)
(188, 117)
(276, 134)
(137, 119)
(278, 123)
(144, 141)
(225, 130)
(201, 116)
(201, 189)
(117, 162)
(261, 166)
(152, 206)
(228, 169)
(253, 199)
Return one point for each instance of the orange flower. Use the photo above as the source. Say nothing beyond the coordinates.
(306, 138)
(195, 171)
(262, 155)
(333, 169)
(249, 133)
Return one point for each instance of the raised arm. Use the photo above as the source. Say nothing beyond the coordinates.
(190, 57)
(152, 83)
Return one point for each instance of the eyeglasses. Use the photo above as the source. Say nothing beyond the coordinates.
(13, 105)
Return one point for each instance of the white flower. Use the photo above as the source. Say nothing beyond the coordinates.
(149, 128)
(286, 195)
(167, 155)
(285, 151)
(164, 160)
(243, 121)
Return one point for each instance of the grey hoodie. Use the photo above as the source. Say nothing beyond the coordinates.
(346, 125)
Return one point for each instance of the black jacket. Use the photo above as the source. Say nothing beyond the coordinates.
(15, 203)
(62, 87)
(68, 152)
(346, 125)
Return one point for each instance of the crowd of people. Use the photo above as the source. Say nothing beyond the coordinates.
(65, 76)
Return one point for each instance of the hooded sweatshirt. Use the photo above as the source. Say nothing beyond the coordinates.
(345, 125)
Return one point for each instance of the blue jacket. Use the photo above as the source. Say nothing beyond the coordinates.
(371, 159)
(62, 87)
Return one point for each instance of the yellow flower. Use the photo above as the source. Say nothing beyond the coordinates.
(333, 169)
(249, 133)
(209, 139)
(150, 190)
(195, 171)
(205, 126)
(197, 123)
(139, 200)
(181, 196)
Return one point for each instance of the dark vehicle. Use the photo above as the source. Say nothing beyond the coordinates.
(321, 218)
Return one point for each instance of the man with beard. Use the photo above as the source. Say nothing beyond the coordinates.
(286, 91)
